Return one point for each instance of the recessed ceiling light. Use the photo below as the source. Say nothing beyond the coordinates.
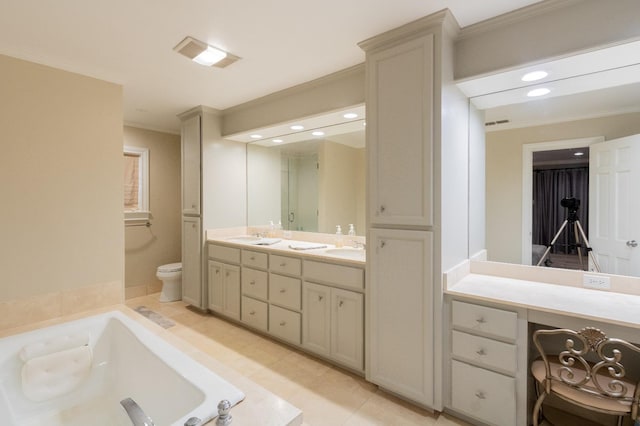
(578, 154)
(256, 136)
(350, 115)
(277, 140)
(538, 92)
(297, 127)
(534, 75)
(318, 133)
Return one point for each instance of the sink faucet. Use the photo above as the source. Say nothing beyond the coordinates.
(137, 416)
(358, 244)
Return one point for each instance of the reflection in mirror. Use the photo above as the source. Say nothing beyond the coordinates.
(309, 183)
(604, 103)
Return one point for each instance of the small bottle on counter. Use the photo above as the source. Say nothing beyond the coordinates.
(352, 230)
(272, 230)
(338, 241)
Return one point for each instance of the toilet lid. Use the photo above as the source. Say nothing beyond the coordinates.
(171, 267)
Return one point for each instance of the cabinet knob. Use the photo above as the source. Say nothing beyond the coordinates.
(480, 395)
(341, 303)
(252, 258)
(227, 274)
(320, 298)
(193, 206)
(632, 243)
(481, 320)
(252, 283)
(283, 290)
(283, 264)
(382, 208)
(217, 271)
(283, 323)
(383, 243)
(252, 313)
(481, 352)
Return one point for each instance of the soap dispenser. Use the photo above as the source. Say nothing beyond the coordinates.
(352, 230)
(338, 236)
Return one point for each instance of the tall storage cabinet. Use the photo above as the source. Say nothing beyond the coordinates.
(406, 69)
(213, 188)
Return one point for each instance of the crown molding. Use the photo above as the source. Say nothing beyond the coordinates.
(513, 17)
(200, 109)
(413, 29)
(300, 88)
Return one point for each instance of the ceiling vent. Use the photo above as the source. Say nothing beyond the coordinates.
(200, 52)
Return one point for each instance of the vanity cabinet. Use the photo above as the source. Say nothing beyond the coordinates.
(399, 312)
(224, 281)
(285, 300)
(400, 133)
(191, 255)
(333, 318)
(483, 363)
(255, 289)
(191, 153)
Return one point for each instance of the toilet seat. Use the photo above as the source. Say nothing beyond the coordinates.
(170, 267)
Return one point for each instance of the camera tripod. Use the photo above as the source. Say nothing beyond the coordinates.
(573, 219)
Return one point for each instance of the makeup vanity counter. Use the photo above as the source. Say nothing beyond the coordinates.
(311, 298)
(490, 309)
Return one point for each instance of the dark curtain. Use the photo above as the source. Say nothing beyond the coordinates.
(549, 188)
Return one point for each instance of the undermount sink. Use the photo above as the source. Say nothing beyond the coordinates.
(348, 253)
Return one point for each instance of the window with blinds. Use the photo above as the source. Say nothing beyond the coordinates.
(136, 184)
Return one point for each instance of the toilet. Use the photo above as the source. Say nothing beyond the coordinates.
(171, 277)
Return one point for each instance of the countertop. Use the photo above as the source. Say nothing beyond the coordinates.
(283, 248)
(604, 306)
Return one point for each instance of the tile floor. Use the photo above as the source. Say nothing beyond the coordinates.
(326, 394)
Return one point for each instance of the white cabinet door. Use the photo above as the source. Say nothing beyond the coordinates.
(232, 291)
(224, 289)
(347, 332)
(216, 286)
(316, 318)
(400, 313)
(191, 257)
(400, 133)
(191, 166)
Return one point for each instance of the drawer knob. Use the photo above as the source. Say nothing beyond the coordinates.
(252, 283)
(480, 395)
(481, 352)
(283, 323)
(283, 264)
(283, 290)
(320, 298)
(252, 313)
(481, 320)
(341, 303)
(252, 258)
(227, 274)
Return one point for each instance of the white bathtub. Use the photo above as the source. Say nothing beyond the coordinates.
(123, 359)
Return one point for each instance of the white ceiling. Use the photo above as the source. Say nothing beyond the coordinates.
(282, 43)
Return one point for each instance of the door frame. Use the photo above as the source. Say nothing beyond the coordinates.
(527, 182)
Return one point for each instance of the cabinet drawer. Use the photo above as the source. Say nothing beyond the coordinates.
(483, 394)
(223, 253)
(334, 274)
(254, 313)
(285, 291)
(284, 324)
(487, 352)
(255, 259)
(254, 283)
(285, 265)
(486, 320)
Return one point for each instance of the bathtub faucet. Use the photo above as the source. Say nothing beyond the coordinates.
(137, 416)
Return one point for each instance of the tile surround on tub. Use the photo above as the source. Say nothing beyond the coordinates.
(43, 307)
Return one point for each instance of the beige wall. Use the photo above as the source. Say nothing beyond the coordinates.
(341, 188)
(61, 173)
(504, 174)
(148, 248)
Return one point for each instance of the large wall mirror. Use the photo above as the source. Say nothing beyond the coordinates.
(310, 179)
(542, 151)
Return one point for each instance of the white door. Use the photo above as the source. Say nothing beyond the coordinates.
(614, 201)
(347, 329)
(316, 318)
(191, 258)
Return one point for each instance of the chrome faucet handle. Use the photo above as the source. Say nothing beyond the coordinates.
(224, 418)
